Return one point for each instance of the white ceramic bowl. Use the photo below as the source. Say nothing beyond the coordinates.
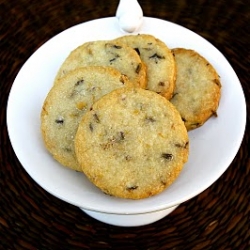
(212, 147)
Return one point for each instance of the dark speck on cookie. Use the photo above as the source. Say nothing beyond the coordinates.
(167, 156)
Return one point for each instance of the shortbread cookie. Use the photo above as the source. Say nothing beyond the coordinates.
(132, 143)
(106, 53)
(68, 101)
(160, 63)
(198, 88)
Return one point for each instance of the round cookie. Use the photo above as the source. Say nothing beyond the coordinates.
(106, 53)
(160, 63)
(198, 88)
(68, 101)
(132, 143)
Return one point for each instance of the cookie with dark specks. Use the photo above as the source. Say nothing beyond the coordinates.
(132, 143)
(198, 88)
(68, 101)
(106, 53)
(160, 63)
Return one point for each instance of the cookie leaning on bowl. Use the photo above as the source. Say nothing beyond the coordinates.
(132, 143)
(106, 53)
(159, 60)
(68, 101)
(198, 88)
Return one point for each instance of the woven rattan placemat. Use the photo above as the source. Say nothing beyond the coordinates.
(31, 218)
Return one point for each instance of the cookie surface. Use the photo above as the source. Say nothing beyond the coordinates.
(159, 60)
(198, 88)
(68, 101)
(106, 53)
(132, 144)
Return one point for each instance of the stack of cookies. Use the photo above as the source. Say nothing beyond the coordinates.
(119, 111)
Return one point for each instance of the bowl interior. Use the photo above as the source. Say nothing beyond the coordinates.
(212, 147)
